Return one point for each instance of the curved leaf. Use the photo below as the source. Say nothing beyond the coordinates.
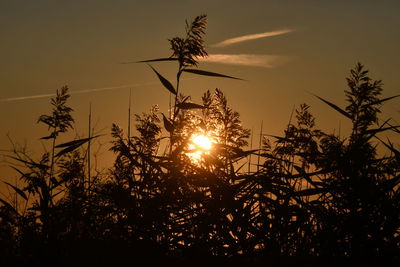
(8, 205)
(164, 81)
(75, 142)
(394, 129)
(68, 149)
(373, 132)
(51, 136)
(72, 145)
(19, 171)
(208, 73)
(152, 60)
(31, 163)
(384, 100)
(167, 124)
(245, 153)
(280, 139)
(390, 146)
(18, 191)
(334, 107)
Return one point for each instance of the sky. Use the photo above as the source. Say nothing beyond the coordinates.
(284, 50)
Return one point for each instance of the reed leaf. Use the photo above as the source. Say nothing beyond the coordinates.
(244, 153)
(394, 129)
(280, 139)
(373, 132)
(167, 124)
(51, 136)
(155, 60)
(208, 73)
(30, 163)
(18, 191)
(164, 81)
(390, 147)
(341, 111)
(384, 100)
(19, 171)
(8, 205)
(76, 142)
(68, 149)
(72, 145)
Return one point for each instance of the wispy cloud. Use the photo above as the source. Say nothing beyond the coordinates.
(251, 37)
(265, 61)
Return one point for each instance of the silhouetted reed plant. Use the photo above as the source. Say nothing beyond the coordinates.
(313, 199)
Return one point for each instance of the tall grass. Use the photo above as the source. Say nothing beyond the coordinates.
(313, 198)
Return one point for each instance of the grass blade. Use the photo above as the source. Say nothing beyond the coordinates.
(75, 142)
(152, 60)
(31, 163)
(390, 147)
(164, 81)
(5, 203)
(68, 149)
(208, 73)
(18, 191)
(394, 129)
(72, 145)
(334, 107)
(51, 136)
(373, 132)
(384, 100)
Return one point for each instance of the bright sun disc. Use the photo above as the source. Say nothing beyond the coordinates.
(202, 142)
(199, 146)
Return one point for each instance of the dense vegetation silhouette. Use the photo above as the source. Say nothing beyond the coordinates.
(312, 198)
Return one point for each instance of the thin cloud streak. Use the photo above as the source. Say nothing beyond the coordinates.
(251, 37)
(265, 61)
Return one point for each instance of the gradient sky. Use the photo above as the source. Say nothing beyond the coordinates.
(47, 44)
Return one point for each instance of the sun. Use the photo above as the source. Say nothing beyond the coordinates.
(202, 142)
(199, 146)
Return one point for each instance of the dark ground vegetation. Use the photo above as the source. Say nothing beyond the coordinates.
(312, 198)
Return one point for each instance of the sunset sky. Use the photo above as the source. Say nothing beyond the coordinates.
(284, 50)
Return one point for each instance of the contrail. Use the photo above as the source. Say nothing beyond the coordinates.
(11, 99)
(251, 37)
(265, 61)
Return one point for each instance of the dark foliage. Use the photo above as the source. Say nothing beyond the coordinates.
(315, 199)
